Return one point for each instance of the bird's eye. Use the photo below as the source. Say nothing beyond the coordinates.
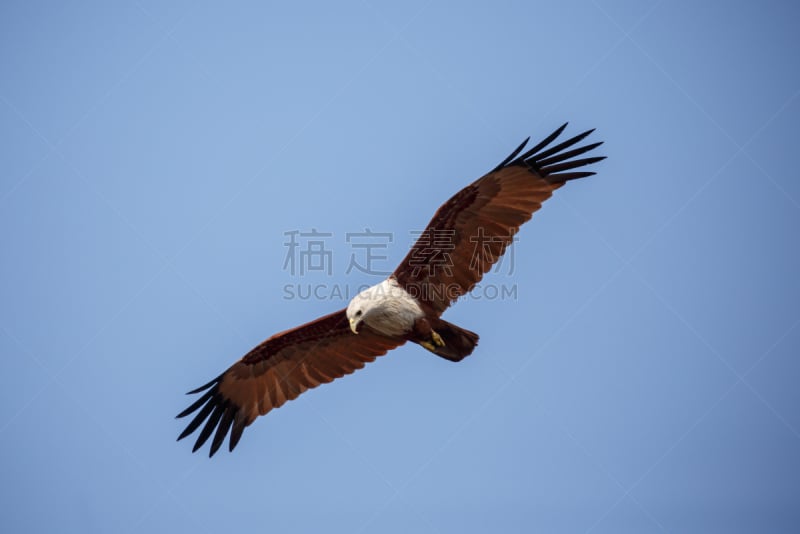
(358, 313)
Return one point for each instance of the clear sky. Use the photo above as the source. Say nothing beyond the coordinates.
(639, 375)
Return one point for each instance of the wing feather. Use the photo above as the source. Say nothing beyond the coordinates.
(222, 428)
(483, 218)
(211, 423)
(279, 370)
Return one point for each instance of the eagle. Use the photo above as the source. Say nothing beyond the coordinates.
(407, 306)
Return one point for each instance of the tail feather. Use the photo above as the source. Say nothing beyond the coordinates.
(458, 342)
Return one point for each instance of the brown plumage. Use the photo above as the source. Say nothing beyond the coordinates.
(279, 370)
(485, 214)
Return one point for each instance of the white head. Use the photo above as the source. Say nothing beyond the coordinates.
(385, 307)
(361, 306)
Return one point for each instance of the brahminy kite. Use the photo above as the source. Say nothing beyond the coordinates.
(407, 306)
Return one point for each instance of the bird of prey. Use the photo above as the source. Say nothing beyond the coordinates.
(407, 306)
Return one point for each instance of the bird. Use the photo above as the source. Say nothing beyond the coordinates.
(407, 306)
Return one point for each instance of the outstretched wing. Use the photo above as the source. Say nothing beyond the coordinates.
(469, 233)
(278, 370)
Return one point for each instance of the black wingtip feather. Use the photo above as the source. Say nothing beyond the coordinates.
(211, 424)
(568, 154)
(219, 416)
(572, 164)
(205, 386)
(561, 146)
(567, 176)
(513, 154)
(543, 143)
(236, 434)
(222, 429)
(549, 163)
(198, 419)
(196, 404)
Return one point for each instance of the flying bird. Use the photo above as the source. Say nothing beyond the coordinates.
(407, 306)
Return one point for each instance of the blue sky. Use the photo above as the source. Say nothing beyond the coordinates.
(642, 379)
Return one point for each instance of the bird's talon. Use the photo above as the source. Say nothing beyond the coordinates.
(428, 345)
(437, 339)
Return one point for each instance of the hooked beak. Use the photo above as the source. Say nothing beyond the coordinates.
(354, 325)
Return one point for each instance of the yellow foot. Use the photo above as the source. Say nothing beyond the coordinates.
(428, 345)
(437, 339)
